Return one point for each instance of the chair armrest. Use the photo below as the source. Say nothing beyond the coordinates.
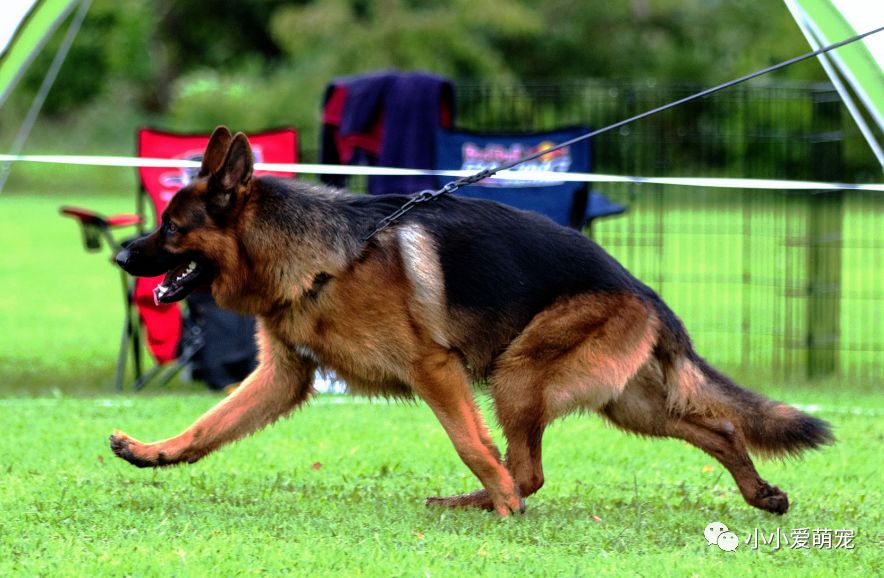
(84, 216)
(94, 226)
(123, 220)
(88, 217)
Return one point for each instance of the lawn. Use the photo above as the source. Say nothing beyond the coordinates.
(61, 308)
(310, 497)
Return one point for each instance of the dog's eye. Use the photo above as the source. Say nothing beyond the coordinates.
(171, 227)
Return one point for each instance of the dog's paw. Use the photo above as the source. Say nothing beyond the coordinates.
(772, 499)
(510, 505)
(131, 450)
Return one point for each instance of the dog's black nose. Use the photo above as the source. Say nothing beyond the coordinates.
(122, 258)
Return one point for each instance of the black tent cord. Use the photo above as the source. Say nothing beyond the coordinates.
(430, 195)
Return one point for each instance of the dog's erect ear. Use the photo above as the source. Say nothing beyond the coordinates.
(216, 151)
(239, 164)
(233, 177)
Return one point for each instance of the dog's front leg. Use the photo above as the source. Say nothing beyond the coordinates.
(281, 382)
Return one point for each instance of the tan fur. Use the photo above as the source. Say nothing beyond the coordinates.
(687, 385)
(420, 262)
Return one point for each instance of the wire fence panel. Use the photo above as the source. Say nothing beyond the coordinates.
(785, 283)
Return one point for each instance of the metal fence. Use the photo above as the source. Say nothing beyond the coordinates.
(780, 283)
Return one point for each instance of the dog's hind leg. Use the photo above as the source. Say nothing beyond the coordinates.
(718, 438)
(577, 354)
(440, 379)
(281, 382)
(644, 408)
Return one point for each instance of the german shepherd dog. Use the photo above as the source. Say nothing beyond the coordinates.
(457, 292)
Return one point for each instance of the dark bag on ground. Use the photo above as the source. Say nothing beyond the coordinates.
(229, 352)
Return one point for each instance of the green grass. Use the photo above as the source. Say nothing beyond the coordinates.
(61, 308)
(311, 497)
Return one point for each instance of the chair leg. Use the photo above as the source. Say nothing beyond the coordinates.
(129, 331)
(123, 355)
(143, 380)
(191, 346)
(136, 349)
(179, 364)
(134, 322)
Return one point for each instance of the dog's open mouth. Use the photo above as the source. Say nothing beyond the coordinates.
(180, 281)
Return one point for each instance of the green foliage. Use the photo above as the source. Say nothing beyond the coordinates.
(110, 49)
(454, 37)
(216, 33)
(158, 48)
(665, 40)
(251, 102)
(322, 40)
(253, 64)
(310, 497)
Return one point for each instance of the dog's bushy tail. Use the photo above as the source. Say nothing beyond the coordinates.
(771, 428)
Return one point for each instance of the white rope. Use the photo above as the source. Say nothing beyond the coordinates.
(514, 175)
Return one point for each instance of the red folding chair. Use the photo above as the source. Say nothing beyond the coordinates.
(162, 325)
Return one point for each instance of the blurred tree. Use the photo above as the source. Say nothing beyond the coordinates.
(457, 38)
(321, 40)
(217, 33)
(109, 48)
(145, 47)
(263, 61)
(668, 40)
(191, 64)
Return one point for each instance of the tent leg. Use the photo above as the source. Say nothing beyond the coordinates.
(60, 55)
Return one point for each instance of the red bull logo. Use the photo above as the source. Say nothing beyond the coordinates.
(477, 158)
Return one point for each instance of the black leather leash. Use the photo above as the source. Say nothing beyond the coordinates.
(429, 195)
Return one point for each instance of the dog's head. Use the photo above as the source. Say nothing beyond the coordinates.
(192, 244)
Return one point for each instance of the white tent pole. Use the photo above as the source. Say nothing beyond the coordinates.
(805, 25)
(25, 131)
